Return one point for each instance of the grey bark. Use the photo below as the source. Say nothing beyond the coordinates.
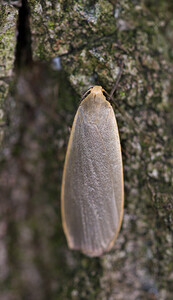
(90, 39)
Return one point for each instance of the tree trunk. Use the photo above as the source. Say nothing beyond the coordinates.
(51, 52)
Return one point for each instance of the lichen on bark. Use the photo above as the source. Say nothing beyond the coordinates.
(8, 20)
(91, 39)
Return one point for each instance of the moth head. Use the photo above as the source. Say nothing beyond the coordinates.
(96, 91)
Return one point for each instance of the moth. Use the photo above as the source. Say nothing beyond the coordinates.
(92, 193)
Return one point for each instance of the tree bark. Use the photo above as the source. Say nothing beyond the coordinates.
(60, 49)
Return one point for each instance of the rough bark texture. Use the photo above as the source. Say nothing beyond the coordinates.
(90, 38)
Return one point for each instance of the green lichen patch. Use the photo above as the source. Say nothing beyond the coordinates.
(8, 39)
(8, 20)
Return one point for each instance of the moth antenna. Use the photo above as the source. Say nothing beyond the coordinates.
(117, 81)
(86, 93)
(111, 97)
(107, 96)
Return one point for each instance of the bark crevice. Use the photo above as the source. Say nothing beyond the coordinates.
(23, 55)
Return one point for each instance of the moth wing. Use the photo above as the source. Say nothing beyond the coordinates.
(90, 211)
